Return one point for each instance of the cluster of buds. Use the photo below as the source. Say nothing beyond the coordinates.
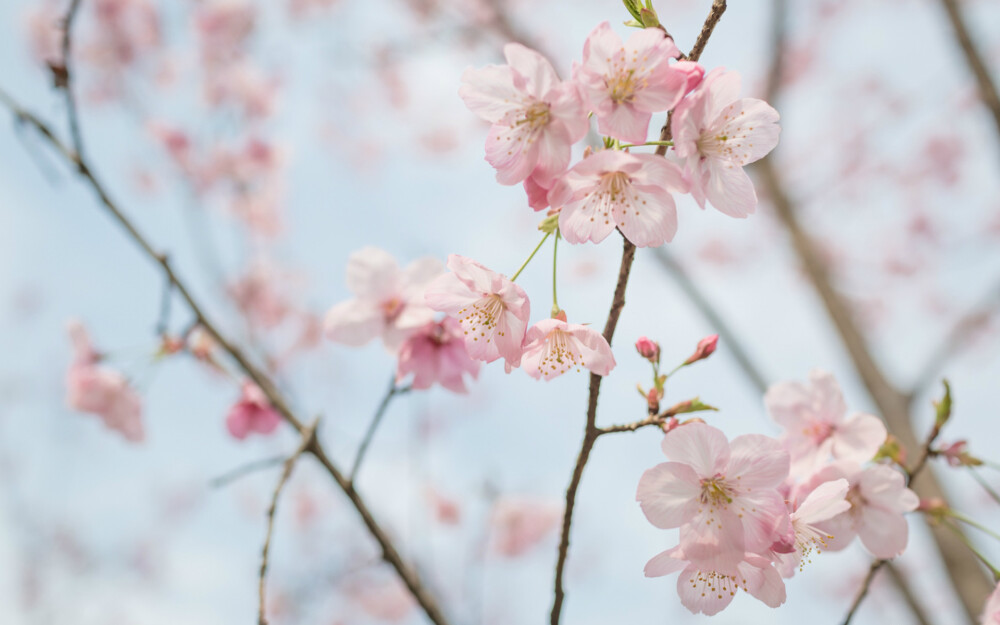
(650, 350)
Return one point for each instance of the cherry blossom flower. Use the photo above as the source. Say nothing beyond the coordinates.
(879, 498)
(435, 354)
(100, 391)
(536, 118)
(552, 347)
(815, 427)
(708, 587)
(492, 310)
(722, 495)
(626, 83)
(616, 189)
(991, 611)
(822, 504)
(716, 134)
(252, 413)
(520, 523)
(389, 303)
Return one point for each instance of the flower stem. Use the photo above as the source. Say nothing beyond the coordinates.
(376, 420)
(533, 252)
(639, 145)
(972, 548)
(555, 298)
(964, 519)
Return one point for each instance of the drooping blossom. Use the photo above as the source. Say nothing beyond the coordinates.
(722, 495)
(435, 354)
(536, 117)
(552, 347)
(991, 611)
(813, 416)
(879, 498)
(716, 134)
(492, 310)
(518, 524)
(101, 391)
(252, 413)
(626, 83)
(388, 302)
(707, 587)
(704, 349)
(615, 189)
(822, 504)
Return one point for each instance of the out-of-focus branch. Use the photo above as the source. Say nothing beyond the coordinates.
(966, 576)
(863, 592)
(390, 554)
(246, 469)
(984, 80)
(370, 433)
(957, 337)
(64, 77)
(308, 439)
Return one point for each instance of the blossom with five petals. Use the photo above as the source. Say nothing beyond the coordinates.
(879, 498)
(536, 117)
(626, 83)
(552, 347)
(614, 189)
(492, 310)
(722, 495)
(715, 133)
(435, 354)
(389, 302)
(815, 427)
(708, 587)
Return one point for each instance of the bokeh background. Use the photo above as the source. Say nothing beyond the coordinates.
(261, 143)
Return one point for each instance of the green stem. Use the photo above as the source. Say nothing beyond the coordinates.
(533, 252)
(639, 145)
(968, 543)
(984, 484)
(555, 298)
(964, 519)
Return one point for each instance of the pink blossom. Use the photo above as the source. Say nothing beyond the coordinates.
(708, 587)
(704, 349)
(879, 498)
(627, 83)
(492, 310)
(716, 134)
(44, 31)
(722, 495)
(243, 86)
(252, 413)
(260, 295)
(101, 391)
(991, 611)
(223, 27)
(436, 354)
(822, 504)
(536, 118)
(538, 194)
(127, 29)
(552, 347)
(815, 427)
(518, 524)
(388, 303)
(615, 189)
(385, 599)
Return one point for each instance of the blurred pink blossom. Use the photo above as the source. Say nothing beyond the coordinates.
(252, 413)
(519, 524)
(435, 354)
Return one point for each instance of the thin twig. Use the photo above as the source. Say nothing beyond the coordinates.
(863, 592)
(251, 467)
(308, 439)
(163, 323)
(658, 420)
(67, 75)
(370, 433)
(408, 575)
(718, 8)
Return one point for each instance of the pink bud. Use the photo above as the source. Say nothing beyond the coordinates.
(648, 349)
(693, 73)
(706, 347)
(653, 401)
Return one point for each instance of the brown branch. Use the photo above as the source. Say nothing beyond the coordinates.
(984, 80)
(65, 76)
(376, 420)
(967, 578)
(251, 467)
(408, 575)
(591, 431)
(308, 439)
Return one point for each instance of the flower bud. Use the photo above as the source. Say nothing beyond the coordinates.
(706, 347)
(693, 73)
(648, 349)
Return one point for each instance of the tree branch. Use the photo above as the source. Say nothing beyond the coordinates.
(370, 433)
(308, 439)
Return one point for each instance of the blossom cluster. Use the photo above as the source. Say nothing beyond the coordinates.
(753, 510)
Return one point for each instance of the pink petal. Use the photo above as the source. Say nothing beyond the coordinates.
(372, 273)
(668, 494)
(730, 190)
(539, 74)
(702, 446)
(664, 563)
(354, 322)
(824, 503)
(489, 92)
(883, 533)
(697, 594)
(757, 461)
(858, 438)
